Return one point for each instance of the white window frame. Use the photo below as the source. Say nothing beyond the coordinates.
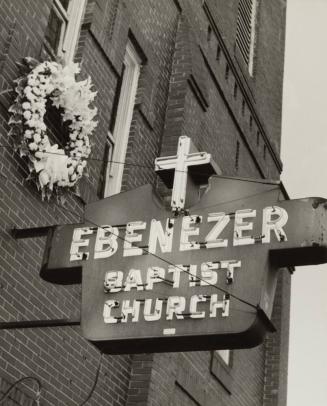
(70, 29)
(224, 355)
(109, 174)
(246, 22)
(115, 169)
(253, 35)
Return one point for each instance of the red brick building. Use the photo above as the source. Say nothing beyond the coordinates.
(208, 69)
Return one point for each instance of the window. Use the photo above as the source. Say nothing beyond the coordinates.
(235, 90)
(221, 368)
(237, 155)
(218, 53)
(109, 164)
(224, 355)
(63, 27)
(209, 33)
(117, 143)
(245, 33)
(227, 72)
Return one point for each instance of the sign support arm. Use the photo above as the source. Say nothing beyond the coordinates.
(34, 232)
(39, 323)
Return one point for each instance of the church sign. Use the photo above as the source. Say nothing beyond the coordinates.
(156, 279)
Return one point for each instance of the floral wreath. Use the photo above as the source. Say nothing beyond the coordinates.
(51, 167)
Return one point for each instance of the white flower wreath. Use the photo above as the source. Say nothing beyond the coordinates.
(50, 166)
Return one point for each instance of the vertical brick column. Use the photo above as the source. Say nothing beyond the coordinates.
(188, 73)
(177, 92)
(140, 378)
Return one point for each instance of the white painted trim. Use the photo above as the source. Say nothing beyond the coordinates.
(61, 13)
(109, 164)
(59, 8)
(253, 35)
(74, 14)
(224, 355)
(124, 117)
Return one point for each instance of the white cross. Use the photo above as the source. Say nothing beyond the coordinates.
(180, 163)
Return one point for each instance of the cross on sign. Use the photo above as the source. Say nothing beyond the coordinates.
(179, 164)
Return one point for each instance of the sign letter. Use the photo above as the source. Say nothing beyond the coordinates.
(165, 239)
(133, 280)
(130, 237)
(241, 226)
(274, 218)
(195, 299)
(78, 242)
(175, 305)
(132, 310)
(208, 275)
(113, 281)
(148, 316)
(110, 304)
(176, 271)
(106, 236)
(187, 231)
(155, 274)
(219, 304)
(212, 239)
(230, 265)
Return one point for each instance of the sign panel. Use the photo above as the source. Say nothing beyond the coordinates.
(204, 279)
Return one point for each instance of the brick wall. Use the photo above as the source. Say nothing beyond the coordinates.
(184, 88)
(65, 362)
(209, 101)
(276, 346)
(266, 85)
